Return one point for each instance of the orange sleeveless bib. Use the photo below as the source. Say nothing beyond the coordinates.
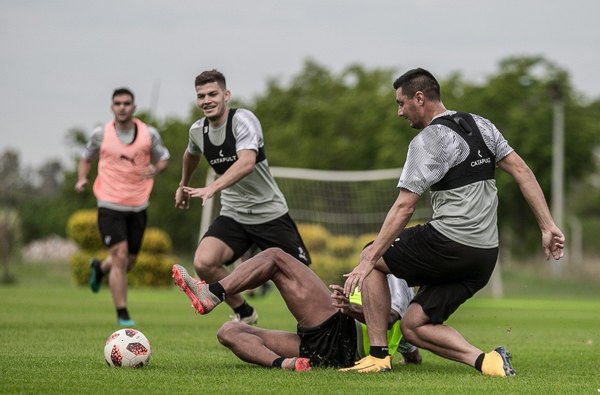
(120, 167)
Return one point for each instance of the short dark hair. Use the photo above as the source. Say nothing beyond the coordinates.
(123, 91)
(209, 76)
(418, 80)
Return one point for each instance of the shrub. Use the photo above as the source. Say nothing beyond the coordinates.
(362, 240)
(315, 236)
(80, 265)
(342, 246)
(152, 270)
(156, 241)
(153, 264)
(10, 233)
(149, 270)
(331, 269)
(83, 229)
(10, 241)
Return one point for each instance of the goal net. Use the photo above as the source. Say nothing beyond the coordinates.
(343, 202)
(337, 213)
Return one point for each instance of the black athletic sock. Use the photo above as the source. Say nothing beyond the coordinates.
(99, 273)
(123, 313)
(217, 290)
(379, 352)
(479, 361)
(245, 310)
(277, 362)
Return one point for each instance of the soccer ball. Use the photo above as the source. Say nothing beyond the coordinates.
(127, 348)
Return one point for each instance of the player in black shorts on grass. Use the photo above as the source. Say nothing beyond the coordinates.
(253, 209)
(130, 154)
(328, 334)
(455, 156)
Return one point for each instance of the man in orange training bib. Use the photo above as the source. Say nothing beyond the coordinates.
(130, 153)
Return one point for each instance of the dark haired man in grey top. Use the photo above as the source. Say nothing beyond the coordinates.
(451, 257)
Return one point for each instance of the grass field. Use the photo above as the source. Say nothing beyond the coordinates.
(52, 337)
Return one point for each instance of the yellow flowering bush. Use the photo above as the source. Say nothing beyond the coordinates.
(156, 241)
(331, 268)
(153, 264)
(82, 228)
(315, 236)
(342, 246)
(152, 270)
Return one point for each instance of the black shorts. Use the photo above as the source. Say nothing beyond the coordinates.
(447, 272)
(116, 226)
(331, 344)
(280, 232)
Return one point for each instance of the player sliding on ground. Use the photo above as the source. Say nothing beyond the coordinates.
(329, 333)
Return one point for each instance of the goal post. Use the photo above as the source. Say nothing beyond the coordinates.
(337, 212)
(344, 202)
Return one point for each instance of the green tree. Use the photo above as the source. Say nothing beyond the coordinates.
(348, 121)
(335, 122)
(182, 225)
(518, 100)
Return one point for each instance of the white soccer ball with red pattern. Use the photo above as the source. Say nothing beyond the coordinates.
(127, 348)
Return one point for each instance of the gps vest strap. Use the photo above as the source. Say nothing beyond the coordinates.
(221, 157)
(479, 165)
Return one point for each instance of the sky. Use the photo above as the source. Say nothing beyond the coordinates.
(60, 60)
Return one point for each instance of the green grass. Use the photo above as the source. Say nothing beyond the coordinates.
(52, 337)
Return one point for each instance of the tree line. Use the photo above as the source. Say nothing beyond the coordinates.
(348, 121)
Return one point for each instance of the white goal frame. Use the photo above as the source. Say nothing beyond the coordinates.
(495, 287)
(315, 175)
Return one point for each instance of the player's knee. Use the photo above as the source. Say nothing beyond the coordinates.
(274, 254)
(205, 266)
(198, 266)
(119, 260)
(207, 260)
(409, 331)
(228, 332)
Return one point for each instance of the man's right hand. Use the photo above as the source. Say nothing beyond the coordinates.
(202, 193)
(81, 184)
(338, 299)
(553, 242)
(182, 198)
